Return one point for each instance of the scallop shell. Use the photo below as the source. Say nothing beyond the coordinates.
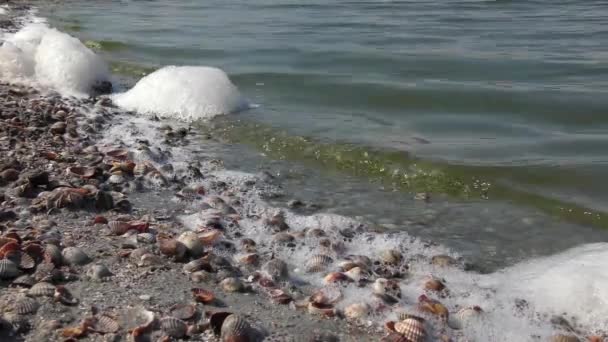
(42, 289)
(24, 280)
(146, 238)
(25, 306)
(276, 269)
(183, 311)
(173, 327)
(23, 260)
(235, 328)
(318, 263)
(411, 329)
(192, 242)
(231, 285)
(336, 277)
(171, 247)
(356, 311)
(75, 256)
(8, 269)
(106, 324)
(118, 227)
(53, 255)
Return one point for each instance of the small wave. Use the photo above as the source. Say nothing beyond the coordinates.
(106, 45)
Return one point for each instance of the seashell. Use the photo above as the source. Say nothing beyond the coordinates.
(391, 257)
(75, 256)
(277, 223)
(146, 238)
(64, 296)
(386, 289)
(216, 320)
(434, 285)
(99, 272)
(42, 289)
(235, 328)
(25, 306)
(116, 178)
(432, 306)
(118, 154)
(283, 238)
(149, 259)
(564, 338)
(279, 296)
(249, 259)
(106, 324)
(336, 277)
(325, 310)
(394, 337)
(118, 227)
(357, 274)
(443, 260)
(403, 315)
(142, 169)
(171, 247)
(266, 282)
(326, 296)
(197, 265)
(126, 167)
(173, 327)
(203, 296)
(316, 233)
(464, 317)
(53, 255)
(81, 171)
(155, 178)
(193, 244)
(8, 269)
(9, 247)
(24, 281)
(183, 311)
(24, 261)
(139, 226)
(58, 128)
(209, 237)
(361, 261)
(232, 285)
(356, 311)
(413, 330)
(318, 263)
(248, 245)
(276, 269)
(6, 240)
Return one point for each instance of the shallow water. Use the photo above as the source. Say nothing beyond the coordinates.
(487, 99)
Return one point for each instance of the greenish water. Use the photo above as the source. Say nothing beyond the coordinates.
(501, 106)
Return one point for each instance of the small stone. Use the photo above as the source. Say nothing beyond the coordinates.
(145, 297)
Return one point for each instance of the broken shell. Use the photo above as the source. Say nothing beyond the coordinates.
(276, 269)
(118, 227)
(386, 289)
(203, 296)
(24, 280)
(356, 311)
(391, 257)
(326, 310)
(434, 285)
(336, 277)
(192, 242)
(326, 296)
(75, 256)
(42, 289)
(99, 272)
(173, 327)
(318, 263)
(64, 296)
(183, 311)
(411, 329)
(106, 324)
(231, 285)
(149, 259)
(235, 328)
(8, 269)
(279, 296)
(25, 306)
(171, 247)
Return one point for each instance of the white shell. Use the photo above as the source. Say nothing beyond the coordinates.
(75, 256)
(356, 311)
(412, 329)
(231, 285)
(193, 243)
(318, 263)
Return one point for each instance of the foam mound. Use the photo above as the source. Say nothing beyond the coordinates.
(51, 58)
(187, 93)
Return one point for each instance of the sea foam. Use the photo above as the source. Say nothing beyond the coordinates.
(48, 57)
(187, 93)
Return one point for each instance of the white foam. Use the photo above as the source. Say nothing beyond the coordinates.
(187, 93)
(51, 58)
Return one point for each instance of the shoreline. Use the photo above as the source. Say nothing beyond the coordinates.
(155, 201)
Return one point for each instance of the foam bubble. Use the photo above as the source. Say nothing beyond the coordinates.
(187, 93)
(14, 64)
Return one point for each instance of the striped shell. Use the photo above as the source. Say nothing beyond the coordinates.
(106, 324)
(193, 243)
(183, 311)
(118, 227)
(173, 327)
(53, 255)
(25, 306)
(42, 289)
(8, 269)
(26, 262)
(75, 256)
(146, 238)
(25, 280)
(318, 263)
(276, 269)
(98, 272)
(411, 329)
(235, 328)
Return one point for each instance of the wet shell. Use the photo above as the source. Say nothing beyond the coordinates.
(118, 227)
(386, 289)
(64, 296)
(106, 324)
(391, 257)
(357, 274)
(8, 248)
(197, 265)
(75, 256)
(42, 289)
(116, 178)
(8, 269)
(249, 259)
(79, 171)
(118, 154)
(318, 263)
(235, 328)
(321, 309)
(356, 311)
(141, 169)
(326, 296)
(99, 272)
(173, 327)
(231, 285)
(24, 261)
(336, 277)
(283, 238)
(209, 237)
(193, 244)
(183, 311)
(146, 238)
(434, 285)
(411, 329)
(443, 260)
(171, 247)
(25, 306)
(432, 306)
(464, 317)
(279, 296)
(276, 269)
(24, 280)
(53, 255)
(203, 296)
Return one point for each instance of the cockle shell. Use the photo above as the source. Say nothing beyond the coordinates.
(171, 247)
(8, 269)
(276, 269)
(192, 242)
(42, 289)
(25, 306)
(326, 296)
(387, 289)
(25, 280)
(356, 311)
(203, 296)
(146, 238)
(81, 171)
(433, 307)
(118, 227)
(357, 274)
(280, 296)
(464, 317)
(336, 277)
(75, 256)
(235, 328)
(318, 263)
(53, 255)
(411, 329)
(326, 310)
(433, 284)
(106, 324)
(231, 285)
(173, 327)
(183, 311)
(99, 272)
